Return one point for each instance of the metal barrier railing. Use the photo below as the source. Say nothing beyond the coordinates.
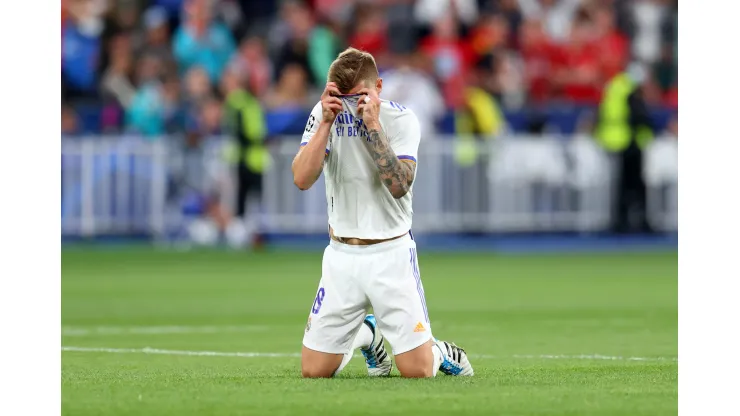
(518, 184)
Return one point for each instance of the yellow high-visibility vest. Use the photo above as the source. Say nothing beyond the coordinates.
(482, 116)
(248, 124)
(614, 131)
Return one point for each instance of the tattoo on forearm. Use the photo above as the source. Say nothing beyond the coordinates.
(396, 176)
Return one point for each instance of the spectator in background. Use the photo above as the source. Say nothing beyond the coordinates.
(70, 121)
(116, 84)
(257, 16)
(451, 56)
(156, 39)
(173, 109)
(671, 96)
(411, 84)
(197, 92)
(126, 15)
(148, 68)
(648, 16)
(198, 86)
(370, 32)
(427, 12)
(279, 31)
(203, 124)
(509, 10)
(612, 44)
(116, 87)
(667, 68)
(81, 49)
(65, 12)
(146, 115)
(294, 48)
(210, 117)
(334, 10)
(401, 33)
(122, 18)
(672, 128)
(291, 91)
(490, 34)
(171, 7)
(98, 63)
(253, 62)
(578, 72)
(323, 46)
(506, 81)
(312, 46)
(537, 55)
(666, 72)
(202, 41)
(557, 16)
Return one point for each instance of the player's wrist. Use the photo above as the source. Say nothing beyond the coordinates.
(372, 125)
(325, 125)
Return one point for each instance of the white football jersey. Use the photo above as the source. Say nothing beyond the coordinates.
(358, 203)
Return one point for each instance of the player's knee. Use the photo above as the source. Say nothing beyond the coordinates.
(417, 372)
(309, 371)
(316, 364)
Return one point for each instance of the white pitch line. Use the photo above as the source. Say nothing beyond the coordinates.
(148, 350)
(158, 330)
(583, 357)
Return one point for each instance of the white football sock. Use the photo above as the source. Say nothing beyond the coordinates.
(345, 361)
(364, 338)
(437, 359)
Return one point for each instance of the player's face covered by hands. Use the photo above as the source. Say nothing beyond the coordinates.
(368, 106)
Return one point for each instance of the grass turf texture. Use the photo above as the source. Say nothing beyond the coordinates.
(504, 307)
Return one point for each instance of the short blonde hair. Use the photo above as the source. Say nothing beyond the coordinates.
(351, 67)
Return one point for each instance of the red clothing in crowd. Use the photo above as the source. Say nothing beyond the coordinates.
(453, 60)
(371, 33)
(580, 73)
(538, 60)
(671, 97)
(375, 42)
(614, 50)
(486, 37)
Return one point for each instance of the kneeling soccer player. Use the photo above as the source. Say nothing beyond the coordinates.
(367, 150)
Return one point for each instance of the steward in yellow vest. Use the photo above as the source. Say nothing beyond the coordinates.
(623, 117)
(480, 117)
(624, 129)
(245, 121)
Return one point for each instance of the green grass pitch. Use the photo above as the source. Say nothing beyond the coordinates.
(547, 334)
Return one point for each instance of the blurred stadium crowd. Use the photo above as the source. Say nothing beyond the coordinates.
(154, 67)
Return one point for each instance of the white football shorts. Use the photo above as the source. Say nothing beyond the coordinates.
(354, 278)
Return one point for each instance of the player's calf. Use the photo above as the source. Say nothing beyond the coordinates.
(315, 364)
(417, 363)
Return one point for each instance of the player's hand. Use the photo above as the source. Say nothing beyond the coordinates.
(368, 107)
(331, 106)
